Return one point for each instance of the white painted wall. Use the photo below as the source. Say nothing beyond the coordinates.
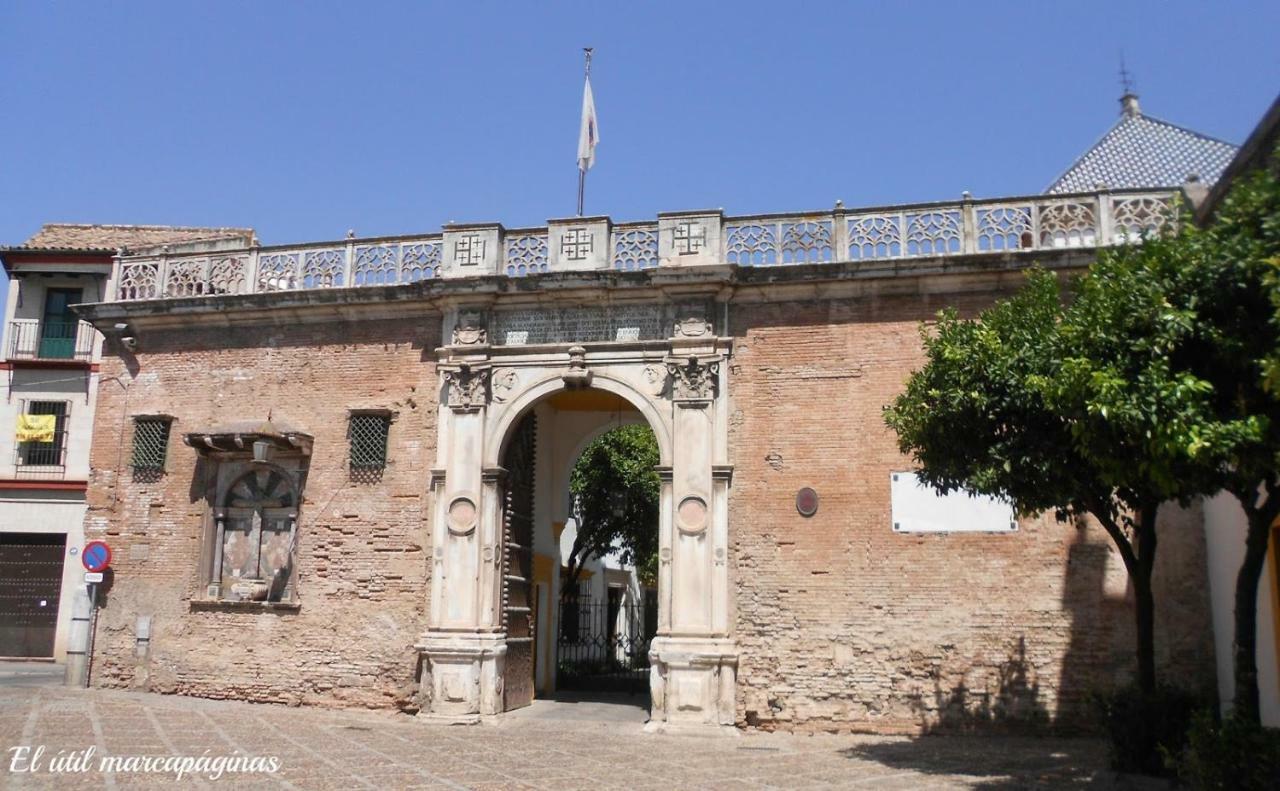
(29, 296)
(50, 511)
(78, 386)
(1225, 528)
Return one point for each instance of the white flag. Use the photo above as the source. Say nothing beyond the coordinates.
(589, 134)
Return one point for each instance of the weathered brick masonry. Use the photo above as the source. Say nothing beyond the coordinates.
(840, 622)
(362, 569)
(843, 623)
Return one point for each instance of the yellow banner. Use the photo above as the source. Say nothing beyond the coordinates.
(36, 428)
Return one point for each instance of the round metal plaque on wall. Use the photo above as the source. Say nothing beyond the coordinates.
(807, 502)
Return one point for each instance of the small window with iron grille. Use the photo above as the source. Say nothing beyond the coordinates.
(150, 446)
(42, 440)
(367, 433)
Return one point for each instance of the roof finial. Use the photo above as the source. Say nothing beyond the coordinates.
(1129, 100)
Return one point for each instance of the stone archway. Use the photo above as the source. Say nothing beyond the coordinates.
(680, 389)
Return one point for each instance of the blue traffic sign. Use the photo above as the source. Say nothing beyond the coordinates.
(96, 556)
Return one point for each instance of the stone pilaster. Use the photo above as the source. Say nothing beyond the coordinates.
(693, 660)
(462, 647)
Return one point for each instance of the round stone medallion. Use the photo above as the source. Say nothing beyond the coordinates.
(462, 516)
(807, 502)
(691, 515)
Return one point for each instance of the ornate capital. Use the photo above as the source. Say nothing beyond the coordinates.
(470, 328)
(693, 379)
(468, 387)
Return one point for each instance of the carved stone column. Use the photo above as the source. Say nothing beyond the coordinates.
(693, 660)
(463, 646)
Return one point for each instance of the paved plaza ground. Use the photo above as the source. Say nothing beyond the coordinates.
(552, 745)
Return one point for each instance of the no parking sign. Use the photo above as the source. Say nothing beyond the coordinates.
(96, 556)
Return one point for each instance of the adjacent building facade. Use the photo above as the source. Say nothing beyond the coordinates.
(50, 380)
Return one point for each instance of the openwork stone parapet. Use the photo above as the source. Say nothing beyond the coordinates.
(676, 239)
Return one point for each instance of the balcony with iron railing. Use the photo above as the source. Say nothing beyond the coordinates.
(47, 340)
(841, 235)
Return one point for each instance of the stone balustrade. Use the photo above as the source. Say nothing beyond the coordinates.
(965, 227)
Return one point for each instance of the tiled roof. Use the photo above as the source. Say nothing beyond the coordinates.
(76, 236)
(1141, 152)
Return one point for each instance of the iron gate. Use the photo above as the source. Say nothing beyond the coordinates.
(30, 586)
(603, 646)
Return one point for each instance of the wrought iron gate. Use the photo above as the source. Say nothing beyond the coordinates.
(603, 646)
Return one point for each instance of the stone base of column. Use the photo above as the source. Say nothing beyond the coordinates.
(464, 674)
(692, 681)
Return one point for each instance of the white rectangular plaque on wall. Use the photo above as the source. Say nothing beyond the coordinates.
(917, 508)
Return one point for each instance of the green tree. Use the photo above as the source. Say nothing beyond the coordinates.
(1001, 408)
(1227, 275)
(1159, 380)
(615, 489)
(1206, 303)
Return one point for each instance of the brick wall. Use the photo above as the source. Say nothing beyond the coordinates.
(840, 622)
(362, 575)
(843, 623)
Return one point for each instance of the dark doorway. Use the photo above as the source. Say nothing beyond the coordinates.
(58, 327)
(30, 586)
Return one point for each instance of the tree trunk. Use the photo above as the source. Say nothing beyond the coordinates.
(1139, 558)
(1261, 517)
(1144, 600)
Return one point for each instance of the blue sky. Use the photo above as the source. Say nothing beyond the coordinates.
(305, 119)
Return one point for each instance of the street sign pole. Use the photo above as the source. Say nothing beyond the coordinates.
(93, 631)
(96, 558)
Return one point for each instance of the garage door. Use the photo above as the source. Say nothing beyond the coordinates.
(30, 582)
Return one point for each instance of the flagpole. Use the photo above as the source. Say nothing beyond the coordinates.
(582, 172)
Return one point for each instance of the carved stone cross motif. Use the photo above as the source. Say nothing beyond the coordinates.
(689, 238)
(468, 250)
(576, 244)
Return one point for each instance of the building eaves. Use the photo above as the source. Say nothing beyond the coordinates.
(1254, 154)
(89, 237)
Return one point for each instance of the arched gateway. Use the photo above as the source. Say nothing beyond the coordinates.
(478, 645)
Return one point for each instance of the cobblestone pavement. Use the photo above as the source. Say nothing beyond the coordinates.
(545, 748)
